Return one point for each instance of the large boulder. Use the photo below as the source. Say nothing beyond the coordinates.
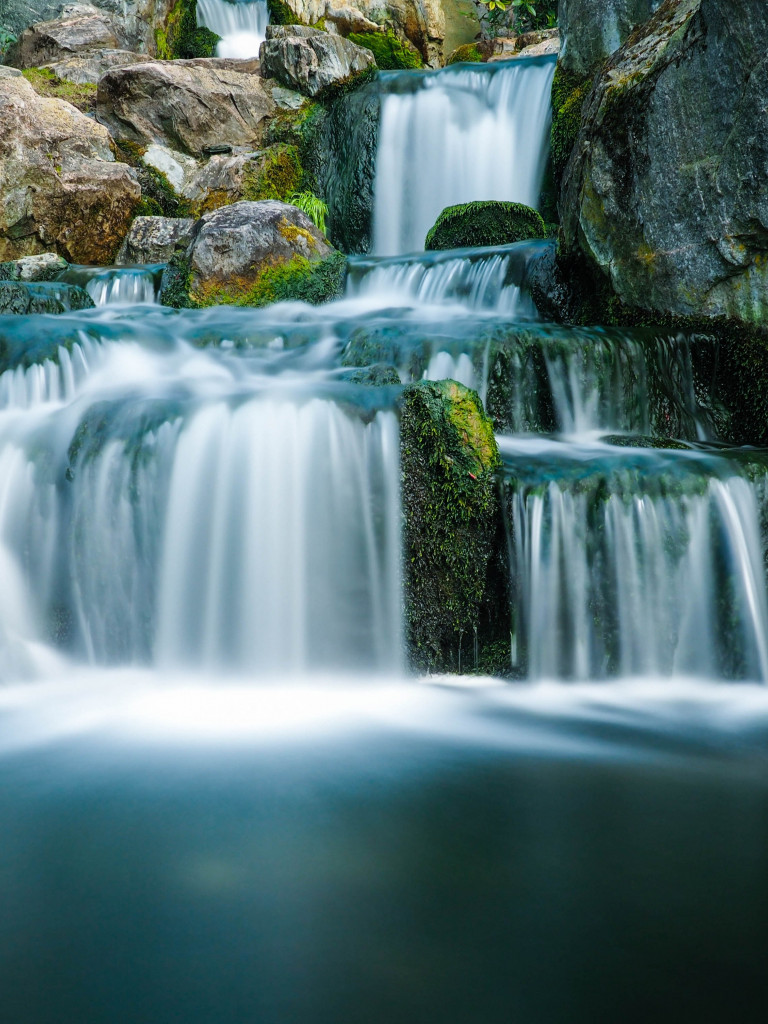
(154, 239)
(136, 22)
(666, 192)
(252, 254)
(310, 61)
(46, 266)
(592, 30)
(81, 27)
(60, 188)
(187, 105)
(89, 67)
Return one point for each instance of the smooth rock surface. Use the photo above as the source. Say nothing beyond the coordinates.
(154, 239)
(60, 188)
(91, 66)
(592, 30)
(185, 105)
(311, 62)
(666, 191)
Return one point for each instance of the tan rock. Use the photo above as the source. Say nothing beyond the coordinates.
(60, 187)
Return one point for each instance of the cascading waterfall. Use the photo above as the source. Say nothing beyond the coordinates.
(241, 26)
(456, 136)
(117, 286)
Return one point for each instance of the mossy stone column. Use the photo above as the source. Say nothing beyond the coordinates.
(452, 528)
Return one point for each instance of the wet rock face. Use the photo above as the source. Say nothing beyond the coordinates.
(44, 267)
(24, 298)
(310, 61)
(80, 27)
(666, 191)
(154, 239)
(592, 30)
(60, 188)
(187, 106)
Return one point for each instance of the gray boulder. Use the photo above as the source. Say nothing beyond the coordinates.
(23, 298)
(666, 191)
(81, 27)
(311, 62)
(154, 239)
(187, 106)
(592, 30)
(91, 66)
(44, 267)
(254, 253)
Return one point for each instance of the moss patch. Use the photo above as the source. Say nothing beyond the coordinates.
(281, 14)
(297, 279)
(45, 83)
(391, 53)
(181, 38)
(569, 91)
(453, 524)
(276, 174)
(470, 53)
(484, 223)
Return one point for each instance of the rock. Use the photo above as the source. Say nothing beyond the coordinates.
(311, 62)
(138, 21)
(154, 239)
(390, 53)
(666, 192)
(421, 22)
(80, 27)
(484, 223)
(452, 526)
(60, 188)
(6, 72)
(50, 297)
(180, 169)
(44, 267)
(592, 30)
(185, 105)
(90, 67)
(252, 254)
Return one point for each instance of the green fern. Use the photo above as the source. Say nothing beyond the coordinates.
(312, 205)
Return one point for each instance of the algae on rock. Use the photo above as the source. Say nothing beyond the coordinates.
(484, 223)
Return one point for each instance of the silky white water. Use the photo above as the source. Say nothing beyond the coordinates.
(456, 136)
(241, 26)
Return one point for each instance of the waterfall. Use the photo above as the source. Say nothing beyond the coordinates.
(121, 286)
(241, 26)
(455, 136)
(635, 562)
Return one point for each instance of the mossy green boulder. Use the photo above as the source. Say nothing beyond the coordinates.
(452, 527)
(391, 53)
(484, 223)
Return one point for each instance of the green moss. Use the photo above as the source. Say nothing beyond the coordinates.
(467, 54)
(174, 288)
(449, 460)
(281, 14)
(158, 196)
(569, 91)
(298, 279)
(391, 53)
(45, 83)
(484, 223)
(181, 38)
(303, 129)
(275, 174)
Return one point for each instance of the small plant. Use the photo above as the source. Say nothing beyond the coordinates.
(7, 39)
(312, 205)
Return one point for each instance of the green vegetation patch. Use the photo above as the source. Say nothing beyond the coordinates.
(297, 279)
(45, 83)
(569, 91)
(449, 460)
(275, 174)
(181, 38)
(484, 223)
(391, 53)
(281, 14)
(470, 53)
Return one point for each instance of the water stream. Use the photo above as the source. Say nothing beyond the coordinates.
(223, 797)
(241, 25)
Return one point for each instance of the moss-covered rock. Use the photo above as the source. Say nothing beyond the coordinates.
(180, 37)
(391, 53)
(471, 53)
(484, 223)
(24, 298)
(452, 530)
(277, 174)
(569, 91)
(281, 14)
(46, 83)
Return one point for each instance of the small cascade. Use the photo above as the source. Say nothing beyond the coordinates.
(635, 562)
(481, 280)
(455, 136)
(117, 286)
(241, 26)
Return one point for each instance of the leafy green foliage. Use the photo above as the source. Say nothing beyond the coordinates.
(484, 223)
(520, 15)
(314, 207)
(391, 53)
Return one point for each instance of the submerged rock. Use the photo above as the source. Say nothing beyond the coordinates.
(253, 254)
(44, 267)
(154, 239)
(484, 223)
(24, 298)
(666, 192)
(454, 585)
(186, 105)
(310, 61)
(60, 187)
